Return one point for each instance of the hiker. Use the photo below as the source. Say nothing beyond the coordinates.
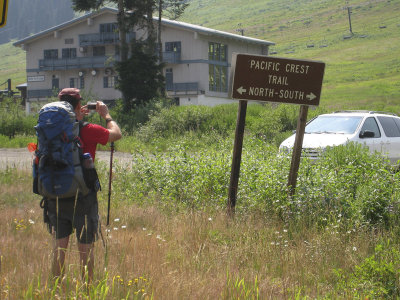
(80, 213)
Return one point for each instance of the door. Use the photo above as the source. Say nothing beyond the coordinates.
(373, 143)
(391, 137)
(169, 79)
(55, 84)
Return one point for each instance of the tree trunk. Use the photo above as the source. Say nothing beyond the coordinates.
(150, 28)
(122, 42)
(160, 53)
(160, 50)
(122, 31)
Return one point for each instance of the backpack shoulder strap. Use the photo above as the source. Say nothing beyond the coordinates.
(82, 124)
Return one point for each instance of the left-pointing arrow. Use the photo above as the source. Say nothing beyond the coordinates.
(241, 90)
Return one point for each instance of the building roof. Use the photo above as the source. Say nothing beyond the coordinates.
(214, 32)
(182, 25)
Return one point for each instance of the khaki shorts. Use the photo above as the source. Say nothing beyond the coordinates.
(67, 215)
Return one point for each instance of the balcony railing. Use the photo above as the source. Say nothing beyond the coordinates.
(73, 63)
(104, 38)
(172, 57)
(183, 88)
(40, 93)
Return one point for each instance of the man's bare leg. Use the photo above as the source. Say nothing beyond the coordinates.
(86, 255)
(59, 257)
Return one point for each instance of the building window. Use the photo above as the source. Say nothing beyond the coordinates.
(218, 78)
(69, 41)
(109, 81)
(68, 53)
(99, 51)
(217, 51)
(173, 47)
(108, 27)
(73, 82)
(264, 50)
(82, 82)
(50, 54)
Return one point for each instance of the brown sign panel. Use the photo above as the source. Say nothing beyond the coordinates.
(265, 78)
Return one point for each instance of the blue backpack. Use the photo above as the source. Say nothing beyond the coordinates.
(58, 170)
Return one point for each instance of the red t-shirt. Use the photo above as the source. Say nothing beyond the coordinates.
(91, 135)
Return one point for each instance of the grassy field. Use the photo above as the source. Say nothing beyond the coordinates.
(170, 237)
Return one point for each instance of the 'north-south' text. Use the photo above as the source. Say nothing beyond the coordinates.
(272, 93)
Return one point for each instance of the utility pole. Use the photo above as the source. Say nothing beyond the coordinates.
(9, 87)
(241, 30)
(349, 12)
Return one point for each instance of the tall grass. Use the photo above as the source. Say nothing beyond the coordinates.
(170, 238)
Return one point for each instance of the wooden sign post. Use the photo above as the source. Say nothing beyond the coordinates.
(237, 156)
(272, 79)
(296, 154)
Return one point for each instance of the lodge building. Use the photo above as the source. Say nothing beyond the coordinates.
(81, 53)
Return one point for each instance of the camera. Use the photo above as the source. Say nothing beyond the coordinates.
(91, 106)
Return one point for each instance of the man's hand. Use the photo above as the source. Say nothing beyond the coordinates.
(102, 109)
(111, 125)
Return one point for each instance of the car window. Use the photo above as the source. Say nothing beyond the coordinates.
(371, 125)
(333, 124)
(389, 126)
(397, 121)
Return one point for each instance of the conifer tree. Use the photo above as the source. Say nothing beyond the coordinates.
(132, 13)
(140, 76)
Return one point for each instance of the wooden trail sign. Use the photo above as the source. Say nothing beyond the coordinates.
(272, 79)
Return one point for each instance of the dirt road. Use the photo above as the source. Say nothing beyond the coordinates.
(21, 158)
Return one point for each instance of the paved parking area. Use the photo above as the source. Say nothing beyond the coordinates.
(21, 158)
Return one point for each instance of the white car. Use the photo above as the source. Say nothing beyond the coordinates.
(378, 131)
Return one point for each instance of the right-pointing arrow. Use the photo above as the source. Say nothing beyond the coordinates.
(241, 90)
(311, 96)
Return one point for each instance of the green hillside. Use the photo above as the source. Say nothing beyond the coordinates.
(362, 71)
(12, 65)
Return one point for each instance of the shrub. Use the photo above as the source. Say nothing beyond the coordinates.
(349, 186)
(13, 119)
(377, 277)
(348, 183)
(132, 120)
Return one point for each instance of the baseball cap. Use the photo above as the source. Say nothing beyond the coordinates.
(70, 91)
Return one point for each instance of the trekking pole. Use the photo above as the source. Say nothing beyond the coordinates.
(109, 183)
